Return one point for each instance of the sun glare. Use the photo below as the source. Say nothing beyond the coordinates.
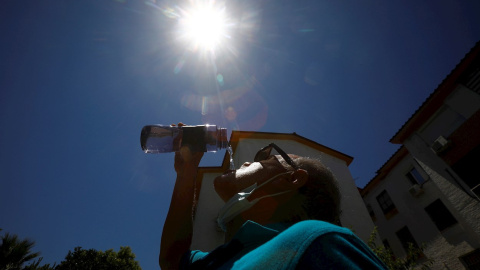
(204, 27)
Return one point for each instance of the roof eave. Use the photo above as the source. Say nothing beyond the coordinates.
(435, 100)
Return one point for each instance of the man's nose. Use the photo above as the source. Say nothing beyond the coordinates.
(246, 164)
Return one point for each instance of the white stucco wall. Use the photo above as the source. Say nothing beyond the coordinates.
(464, 237)
(206, 235)
(443, 247)
(354, 214)
(447, 246)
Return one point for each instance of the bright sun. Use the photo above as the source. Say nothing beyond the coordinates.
(204, 26)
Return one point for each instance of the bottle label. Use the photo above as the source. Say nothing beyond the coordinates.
(194, 138)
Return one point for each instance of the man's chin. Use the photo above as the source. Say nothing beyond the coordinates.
(223, 186)
(228, 175)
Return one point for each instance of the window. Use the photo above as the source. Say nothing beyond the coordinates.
(440, 215)
(385, 202)
(406, 238)
(467, 169)
(471, 260)
(415, 177)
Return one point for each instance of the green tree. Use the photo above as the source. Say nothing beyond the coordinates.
(36, 266)
(92, 259)
(412, 260)
(14, 253)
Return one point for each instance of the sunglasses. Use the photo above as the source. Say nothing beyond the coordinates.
(264, 153)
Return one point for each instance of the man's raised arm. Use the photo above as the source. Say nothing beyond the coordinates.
(178, 227)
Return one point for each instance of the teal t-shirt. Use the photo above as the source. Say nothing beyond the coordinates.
(309, 244)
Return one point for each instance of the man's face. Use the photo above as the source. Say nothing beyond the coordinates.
(232, 182)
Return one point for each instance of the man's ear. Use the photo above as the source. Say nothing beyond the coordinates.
(295, 180)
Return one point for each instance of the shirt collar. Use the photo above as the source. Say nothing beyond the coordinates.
(251, 232)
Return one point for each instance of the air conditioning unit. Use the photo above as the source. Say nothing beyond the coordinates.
(416, 190)
(440, 145)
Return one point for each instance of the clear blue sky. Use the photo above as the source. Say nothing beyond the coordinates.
(79, 79)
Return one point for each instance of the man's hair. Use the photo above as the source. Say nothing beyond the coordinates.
(319, 197)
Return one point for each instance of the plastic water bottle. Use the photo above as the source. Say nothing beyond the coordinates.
(156, 139)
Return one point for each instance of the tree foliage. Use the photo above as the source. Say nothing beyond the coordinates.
(15, 253)
(36, 266)
(411, 261)
(92, 259)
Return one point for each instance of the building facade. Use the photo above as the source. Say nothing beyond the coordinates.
(206, 235)
(428, 192)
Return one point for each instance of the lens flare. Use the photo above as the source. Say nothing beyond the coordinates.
(204, 105)
(207, 39)
(220, 79)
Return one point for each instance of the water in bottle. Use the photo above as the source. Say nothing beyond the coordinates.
(164, 139)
